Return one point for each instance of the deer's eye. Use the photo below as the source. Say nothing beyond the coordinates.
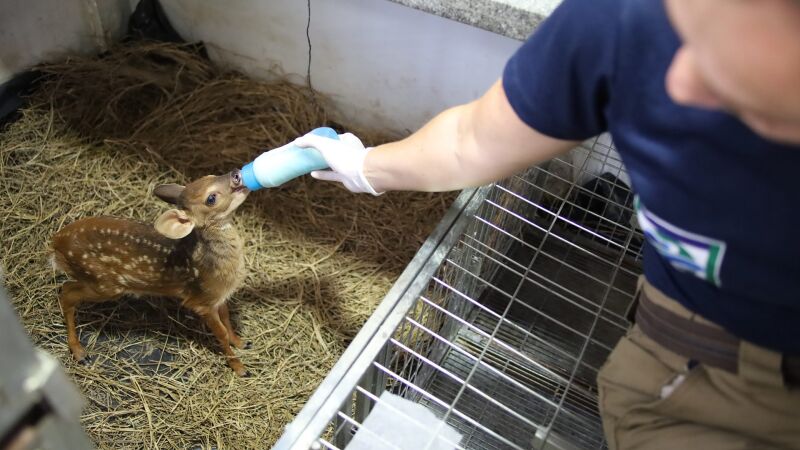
(211, 200)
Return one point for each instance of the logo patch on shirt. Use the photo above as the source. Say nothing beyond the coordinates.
(687, 252)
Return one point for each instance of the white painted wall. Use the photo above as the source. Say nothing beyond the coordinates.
(34, 31)
(383, 64)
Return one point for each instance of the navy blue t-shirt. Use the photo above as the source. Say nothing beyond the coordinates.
(718, 204)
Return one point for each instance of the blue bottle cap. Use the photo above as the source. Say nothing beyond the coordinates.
(326, 132)
(249, 178)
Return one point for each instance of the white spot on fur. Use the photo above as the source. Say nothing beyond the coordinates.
(69, 253)
(128, 279)
(85, 256)
(107, 259)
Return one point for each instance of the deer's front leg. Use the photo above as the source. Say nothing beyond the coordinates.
(225, 316)
(214, 322)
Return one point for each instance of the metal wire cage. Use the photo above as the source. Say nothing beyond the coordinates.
(502, 320)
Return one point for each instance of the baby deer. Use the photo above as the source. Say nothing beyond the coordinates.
(193, 254)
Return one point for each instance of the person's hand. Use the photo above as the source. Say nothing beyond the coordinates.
(345, 158)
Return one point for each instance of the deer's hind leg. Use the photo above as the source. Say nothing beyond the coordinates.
(72, 294)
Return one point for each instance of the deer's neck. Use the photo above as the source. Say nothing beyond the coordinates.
(217, 246)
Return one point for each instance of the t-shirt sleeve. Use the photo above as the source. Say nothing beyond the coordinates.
(559, 81)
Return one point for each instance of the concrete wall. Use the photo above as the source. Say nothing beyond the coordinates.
(34, 31)
(383, 64)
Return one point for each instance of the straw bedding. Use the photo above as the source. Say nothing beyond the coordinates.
(96, 137)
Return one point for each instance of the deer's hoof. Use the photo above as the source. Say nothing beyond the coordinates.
(240, 371)
(248, 345)
(80, 355)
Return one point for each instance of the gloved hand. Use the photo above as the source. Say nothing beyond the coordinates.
(345, 158)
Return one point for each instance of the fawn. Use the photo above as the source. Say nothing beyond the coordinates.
(192, 253)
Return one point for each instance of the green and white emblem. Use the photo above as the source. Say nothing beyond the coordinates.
(687, 252)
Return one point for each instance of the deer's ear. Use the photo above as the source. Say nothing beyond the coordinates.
(170, 193)
(174, 224)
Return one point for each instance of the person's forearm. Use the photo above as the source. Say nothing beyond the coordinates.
(431, 159)
(469, 145)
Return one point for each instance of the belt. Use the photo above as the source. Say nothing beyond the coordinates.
(697, 341)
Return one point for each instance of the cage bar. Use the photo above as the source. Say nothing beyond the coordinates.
(501, 322)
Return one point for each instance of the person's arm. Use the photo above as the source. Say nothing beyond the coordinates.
(556, 91)
(468, 145)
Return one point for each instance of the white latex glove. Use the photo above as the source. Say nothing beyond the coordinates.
(345, 158)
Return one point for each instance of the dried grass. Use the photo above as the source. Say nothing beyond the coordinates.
(98, 135)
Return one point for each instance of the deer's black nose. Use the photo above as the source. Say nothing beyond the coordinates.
(236, 179)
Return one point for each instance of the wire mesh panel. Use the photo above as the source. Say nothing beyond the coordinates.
(501, 338)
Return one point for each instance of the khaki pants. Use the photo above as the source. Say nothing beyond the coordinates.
(650, 399)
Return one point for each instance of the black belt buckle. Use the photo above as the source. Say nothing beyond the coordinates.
(709, 346)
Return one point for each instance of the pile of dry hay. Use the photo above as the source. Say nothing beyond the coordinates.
(98, 135)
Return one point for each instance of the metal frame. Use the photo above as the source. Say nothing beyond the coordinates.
(365, 347)
(39, 406)
(501, 321)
